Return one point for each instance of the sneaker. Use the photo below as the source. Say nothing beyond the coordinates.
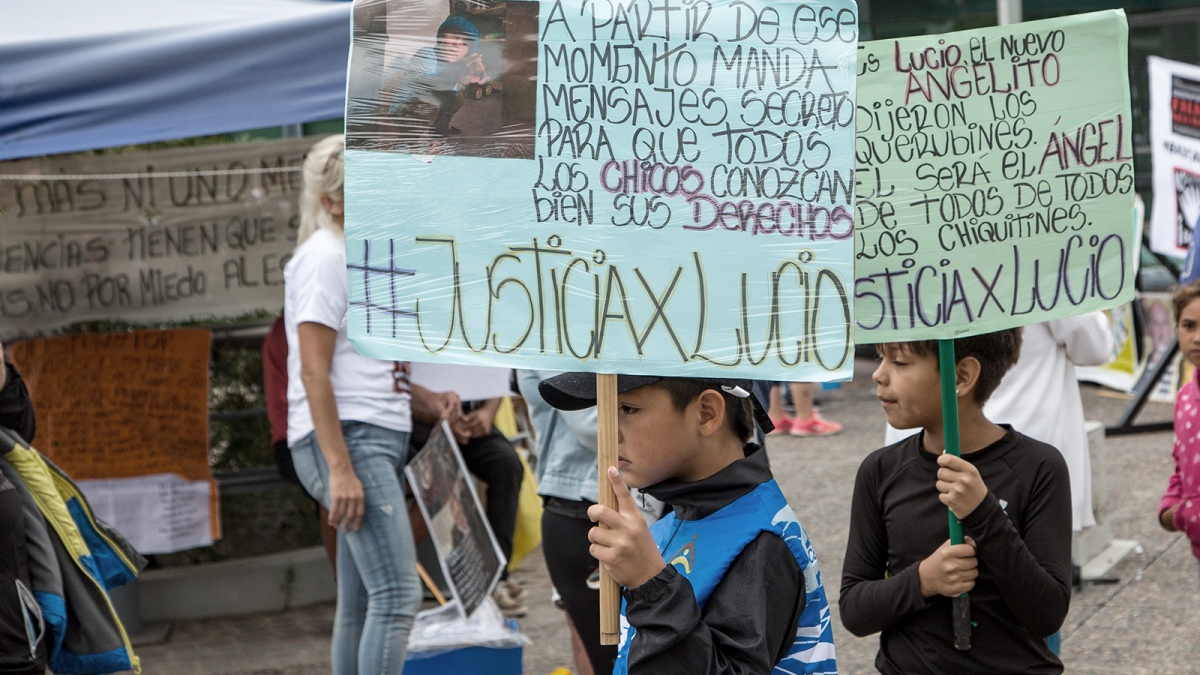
(515, 590)
(510, 607)
(593, 580)
(781, 425)
(814, 426)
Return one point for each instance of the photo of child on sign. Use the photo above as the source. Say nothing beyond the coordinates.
(470, 557)
(448, 79)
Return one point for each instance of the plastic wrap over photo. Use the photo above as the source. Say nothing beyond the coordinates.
(451, 77)
(658, 187)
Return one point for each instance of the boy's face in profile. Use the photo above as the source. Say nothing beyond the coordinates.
(452, 47)
(909, 387)
(655, 440)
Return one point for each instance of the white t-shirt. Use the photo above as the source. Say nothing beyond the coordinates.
(366, 390)
(1040, 396)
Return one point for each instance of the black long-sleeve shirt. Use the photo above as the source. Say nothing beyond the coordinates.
(1022, 531)
(749, 621)
(16, 409)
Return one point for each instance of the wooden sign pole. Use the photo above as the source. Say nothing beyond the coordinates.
(606, 456)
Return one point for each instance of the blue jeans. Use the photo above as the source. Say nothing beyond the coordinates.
(378, 590)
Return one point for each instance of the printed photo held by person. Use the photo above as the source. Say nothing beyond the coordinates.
(727, 581)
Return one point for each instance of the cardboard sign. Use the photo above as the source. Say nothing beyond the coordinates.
(470, 557)
(657, 187)
(117, 405)
(198, 232)
(995, 178)
(126, 416)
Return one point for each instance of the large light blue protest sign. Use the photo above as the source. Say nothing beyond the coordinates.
(643, 186)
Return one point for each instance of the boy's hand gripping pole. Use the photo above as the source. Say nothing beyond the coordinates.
(961, 607)
(606, 456)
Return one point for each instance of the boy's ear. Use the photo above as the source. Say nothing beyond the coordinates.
(966, 376)
(710, 407)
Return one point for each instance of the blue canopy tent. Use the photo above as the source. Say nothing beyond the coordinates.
(85, 74)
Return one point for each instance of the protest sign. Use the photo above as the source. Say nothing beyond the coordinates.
(646, 186)
(1175, 150)
(1158, 342)
(995, 178)
(188, 233)
(126, 416)
(467, 550)
(1122, 369)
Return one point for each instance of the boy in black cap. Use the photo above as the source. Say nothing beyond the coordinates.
(728, 581)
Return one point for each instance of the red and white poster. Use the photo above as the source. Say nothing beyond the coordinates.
(1175, 139)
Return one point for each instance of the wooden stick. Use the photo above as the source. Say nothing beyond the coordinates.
(606, 456)
(437, 593)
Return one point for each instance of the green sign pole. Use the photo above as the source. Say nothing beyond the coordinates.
(946, 364)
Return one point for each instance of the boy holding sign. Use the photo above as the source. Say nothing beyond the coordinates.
(1012, 494)
(727, 582)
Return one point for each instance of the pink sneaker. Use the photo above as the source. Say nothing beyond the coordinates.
(814, 426)
(781, 425)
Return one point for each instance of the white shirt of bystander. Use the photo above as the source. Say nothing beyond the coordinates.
(367, 390)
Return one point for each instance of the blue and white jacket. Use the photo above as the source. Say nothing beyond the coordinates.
(73, 560)
(713, 522)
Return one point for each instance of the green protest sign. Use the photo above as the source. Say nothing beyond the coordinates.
(994, 182)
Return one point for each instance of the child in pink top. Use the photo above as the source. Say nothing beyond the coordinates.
(1180, 507)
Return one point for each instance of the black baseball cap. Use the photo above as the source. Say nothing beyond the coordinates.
(576, 391)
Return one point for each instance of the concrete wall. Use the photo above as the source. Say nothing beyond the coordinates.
(266, 583)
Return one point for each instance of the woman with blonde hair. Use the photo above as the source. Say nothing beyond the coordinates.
(349, 419)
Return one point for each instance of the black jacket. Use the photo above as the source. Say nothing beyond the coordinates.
(16, 409)
(1022, 532)
(749, 621)
(19, 613)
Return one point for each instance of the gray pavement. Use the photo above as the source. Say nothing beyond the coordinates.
(1146, 621)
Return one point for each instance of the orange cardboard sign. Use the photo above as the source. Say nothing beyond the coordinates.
(121, 405)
